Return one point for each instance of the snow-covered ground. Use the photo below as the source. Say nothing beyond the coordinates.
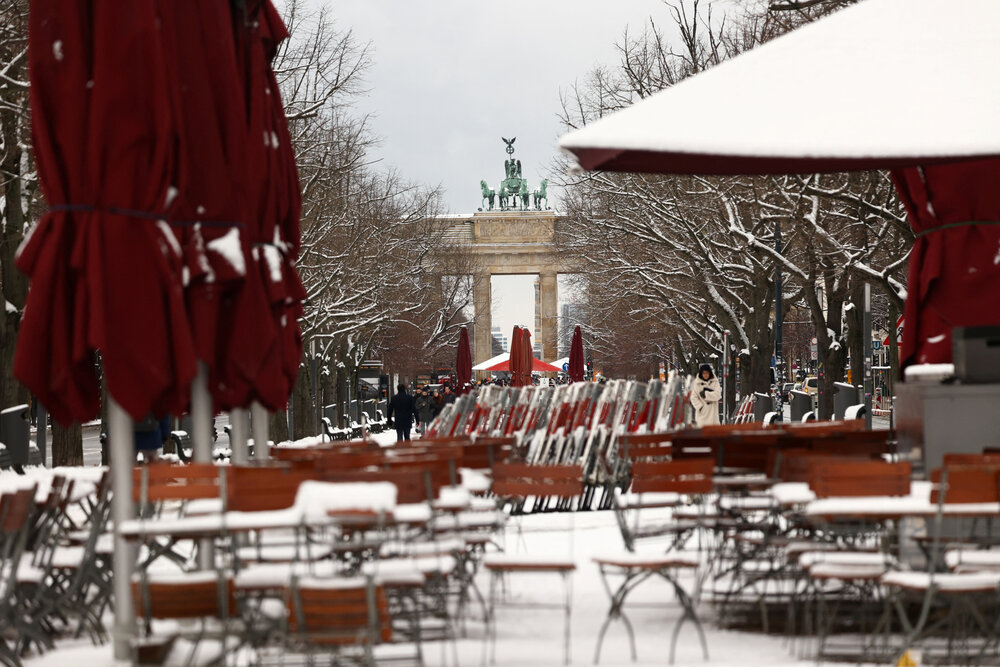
(534, 637)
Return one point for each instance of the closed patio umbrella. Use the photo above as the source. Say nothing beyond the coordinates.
(516, 362)
(576, 368)
(901, 84)
(463, 363)
(105, 268)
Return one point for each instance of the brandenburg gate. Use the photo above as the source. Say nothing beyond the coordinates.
(510, 236)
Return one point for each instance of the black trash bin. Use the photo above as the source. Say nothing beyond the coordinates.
(15, 434)
(799, 405)
(844, 396)
(763, 403)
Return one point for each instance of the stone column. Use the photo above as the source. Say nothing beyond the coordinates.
(482, 303)
(549, 295)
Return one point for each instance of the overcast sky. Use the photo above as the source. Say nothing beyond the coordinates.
(451, 77)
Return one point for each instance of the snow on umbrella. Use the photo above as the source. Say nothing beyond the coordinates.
(463, 362)
(105, 269)
(576, 357)
(900, 87)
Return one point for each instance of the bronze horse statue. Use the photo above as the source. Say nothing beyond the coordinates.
(542, 193)
(525, 196)
(489, 194)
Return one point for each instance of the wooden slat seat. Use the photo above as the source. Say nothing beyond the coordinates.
(690, 476)
(338, 612)
(161, 482)
(859, 478)
(646, 446)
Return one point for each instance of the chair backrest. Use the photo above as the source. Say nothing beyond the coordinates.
(16, 511)
(690, 476)
(866, 444)
(822, 428)
(967, 483)
(748, 450)
(725, 429)
(645, 446)
(859, 478)
(337, 613)
(413, 484)
(520, 480)
(257, 489)
(198, 597)
(959, 459)
(793, 464)
(161, 481)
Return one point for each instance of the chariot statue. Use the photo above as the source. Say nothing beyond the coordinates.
(513, 192)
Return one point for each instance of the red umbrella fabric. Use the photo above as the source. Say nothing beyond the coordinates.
(515, 363)
(106, 169)
(576, 368)
(266, 311)
(537, 366)
(955, 264)
(527, 358)
(463, 363)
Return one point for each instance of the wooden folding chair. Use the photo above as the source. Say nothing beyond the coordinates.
(339, 616)
(513, 485)
(202, 596)
(962, 605)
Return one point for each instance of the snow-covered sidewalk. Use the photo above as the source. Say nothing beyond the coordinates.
(534, 637)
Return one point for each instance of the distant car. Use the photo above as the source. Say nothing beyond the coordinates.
(786, 389)
(811, 385)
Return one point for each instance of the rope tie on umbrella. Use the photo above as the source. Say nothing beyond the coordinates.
(145, 215)
(952, 225)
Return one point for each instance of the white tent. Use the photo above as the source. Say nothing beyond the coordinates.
(884, 83)
(499, 359)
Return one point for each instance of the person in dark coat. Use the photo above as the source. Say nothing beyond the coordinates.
(150, 435)
(449, 396)
(425, 406)
(404, 409)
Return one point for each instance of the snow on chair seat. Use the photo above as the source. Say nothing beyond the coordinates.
(972, 560)
(947, 582)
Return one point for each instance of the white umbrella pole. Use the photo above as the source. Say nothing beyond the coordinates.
(261, 437)
(122, 446)
(239, 432)
(201, 424)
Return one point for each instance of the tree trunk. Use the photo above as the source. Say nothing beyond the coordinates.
(855, 334)
(279, 426)
(67, 445)
(13, 283)
(303, 405)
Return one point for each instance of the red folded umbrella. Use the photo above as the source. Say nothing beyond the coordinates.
(107, 180)
(463, 363)
(576, 368)
(955, 263)
(271, 302)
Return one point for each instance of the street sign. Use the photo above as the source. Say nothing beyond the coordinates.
(813, 350)
(876, 344)
(899, 332)
(566, 368)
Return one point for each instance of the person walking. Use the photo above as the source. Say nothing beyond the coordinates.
(449, 396)
(705, 396)
(425, 409)
(402, 406)
(150, 435)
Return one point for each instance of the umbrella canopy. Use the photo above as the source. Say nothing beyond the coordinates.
(492, 361)
(864, 67)
(463, 362)
(502, 363)
(902, 86)
(576, 368)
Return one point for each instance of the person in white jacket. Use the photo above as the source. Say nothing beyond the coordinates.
(705, 396)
